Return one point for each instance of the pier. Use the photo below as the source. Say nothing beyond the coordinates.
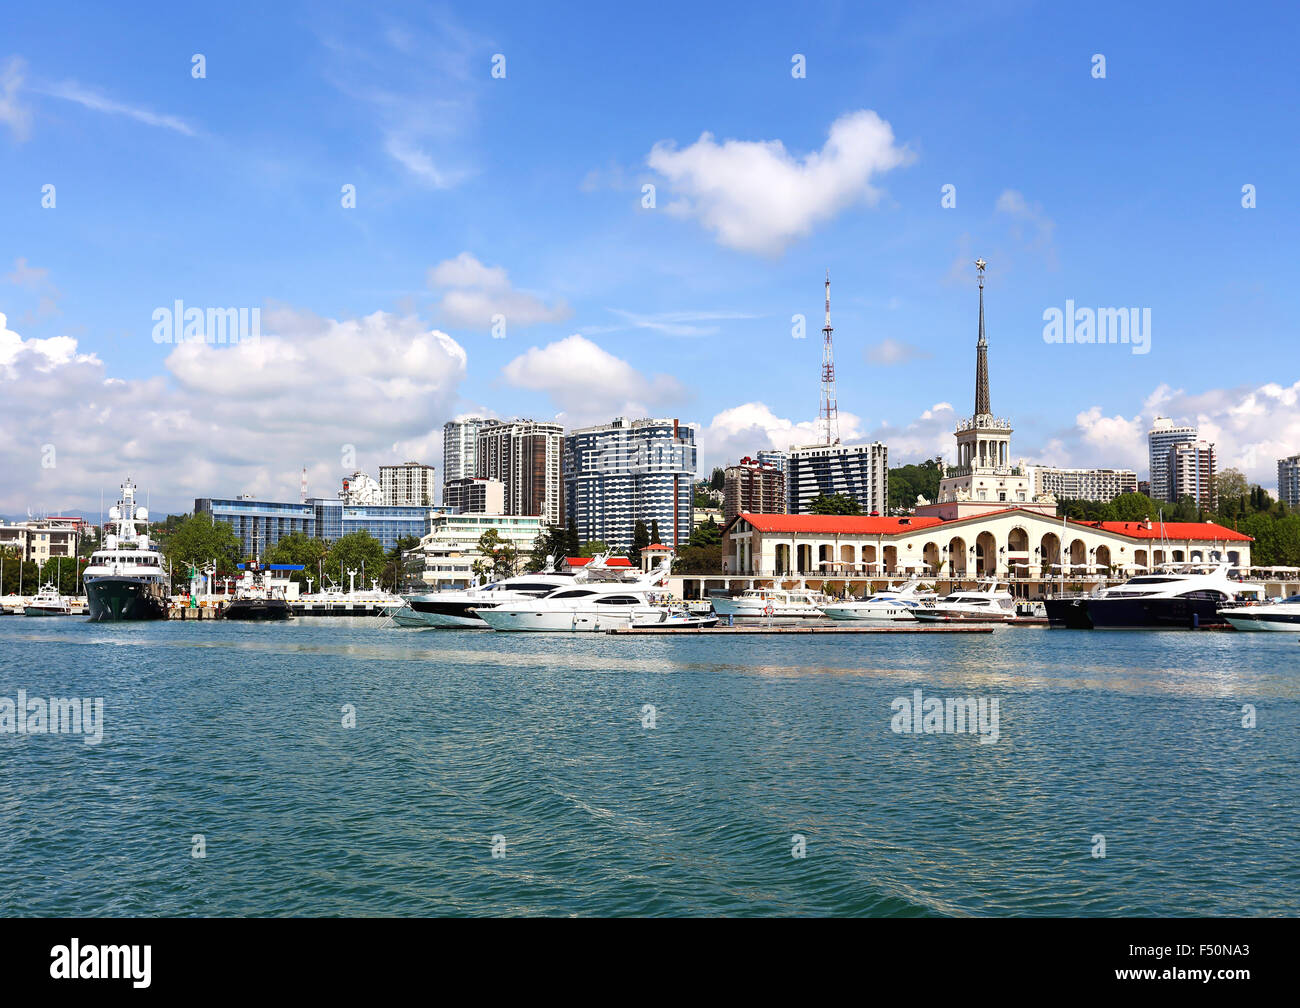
(656, 631)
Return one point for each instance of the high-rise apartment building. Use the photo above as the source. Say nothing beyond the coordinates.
(460, 447)
(1288, 481)
(753, 487)
(774, 458)
(408, 483)
(626, 471)
(1190, 471)
(857, 471)
(1164, 434)
(524, 455)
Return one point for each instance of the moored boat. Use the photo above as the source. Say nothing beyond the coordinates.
(1281, 615)
(48, 602)
(988, 603)
(889, 606)
(125, 580)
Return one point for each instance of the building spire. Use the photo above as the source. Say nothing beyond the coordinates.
(982, 407)
(829, 409)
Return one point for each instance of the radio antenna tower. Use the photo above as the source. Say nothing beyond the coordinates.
(829, 415)
(302, 490)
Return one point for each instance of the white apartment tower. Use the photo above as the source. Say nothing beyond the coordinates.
(1163, 436)
(408, 484)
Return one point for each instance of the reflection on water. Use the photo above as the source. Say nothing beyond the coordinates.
(235, 731)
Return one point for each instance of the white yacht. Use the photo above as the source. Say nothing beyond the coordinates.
(1176, 597)
(590, 604)
(450, 609)
(1284, 614)
(48, 602)
(988, 603)
(125, 580)
(890, 605)
(771, 602)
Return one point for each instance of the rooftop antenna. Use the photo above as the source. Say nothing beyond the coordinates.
(829, 414)
(302, 490)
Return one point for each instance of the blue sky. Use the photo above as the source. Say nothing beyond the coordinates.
(522, 195)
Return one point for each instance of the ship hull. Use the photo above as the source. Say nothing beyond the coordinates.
(119, 599)
(258, 610)
(1154, 613)
(1070, 613)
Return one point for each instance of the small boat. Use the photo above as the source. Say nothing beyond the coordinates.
(48, 603)
(1283, 614)
(988, 603)
(888, 606)
(258, 596)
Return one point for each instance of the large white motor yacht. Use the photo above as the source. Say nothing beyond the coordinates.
(125, 580)
(771, 602)
(888, 606)
(988, 603)
(450, 609)
(1176, 597)
(589, 604)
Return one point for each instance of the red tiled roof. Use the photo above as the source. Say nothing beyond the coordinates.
(875, 525)
(659, 546)
(1171, 530)
(846, 524)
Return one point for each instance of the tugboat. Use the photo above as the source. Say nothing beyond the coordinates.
(125, 579)
(258, 597)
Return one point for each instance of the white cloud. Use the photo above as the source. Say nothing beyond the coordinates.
(674, 323)
(589, 384)
(74, 92)
(1026, 215)
(1251, 427)
(473, 293)
(224, 419)
(13, 113)
(752, 427)
(756, 196)
(890, 352)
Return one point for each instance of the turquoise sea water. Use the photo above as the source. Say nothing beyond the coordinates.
(234, 731)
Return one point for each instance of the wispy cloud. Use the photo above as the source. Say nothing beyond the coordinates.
(13, 113)
(676, 323)
(418, 82)
(94, 100)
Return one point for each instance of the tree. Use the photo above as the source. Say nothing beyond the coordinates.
(592, 547)
(834, 504)
(299, 548)
(908, 482)
(706, 534)
(640, 540)
(571, 542)
(198, 540)
(497, 558)
(1230, 484)
(394, 562)
(359, 551)
(718, 478)
(654, 533)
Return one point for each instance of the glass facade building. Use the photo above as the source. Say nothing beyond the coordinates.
(261, 524)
